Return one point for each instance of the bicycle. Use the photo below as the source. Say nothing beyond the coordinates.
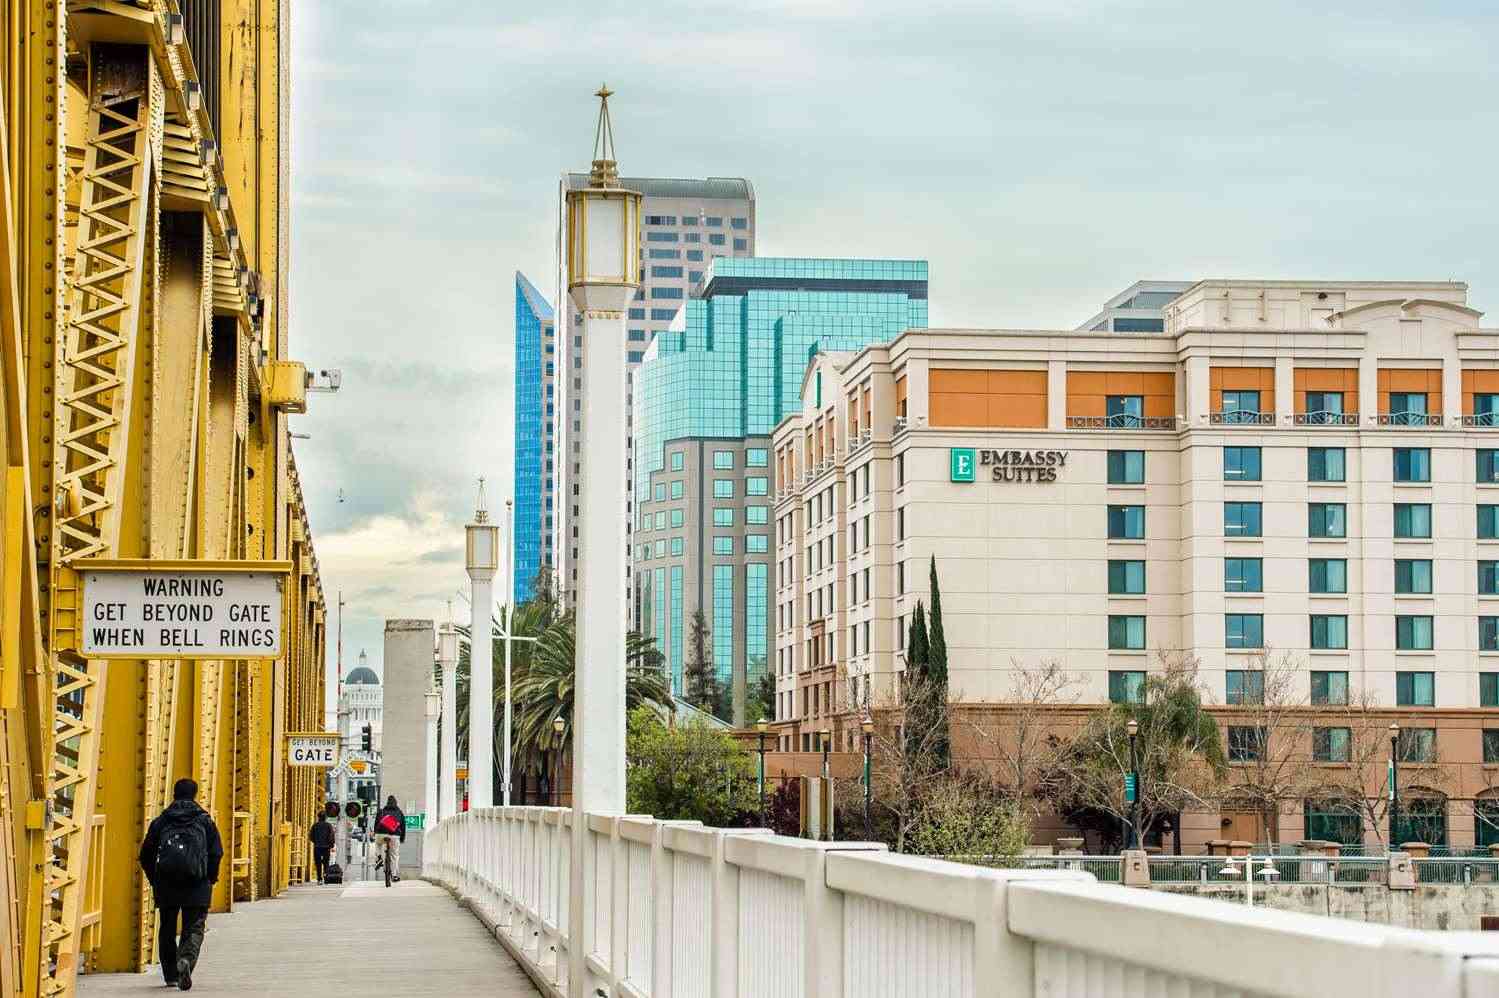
(386, 859)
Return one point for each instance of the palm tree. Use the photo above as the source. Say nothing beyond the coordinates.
(530, 620)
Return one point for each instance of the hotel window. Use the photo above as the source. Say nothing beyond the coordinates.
(1243, 686)
(756, 485)
(1127, 522)
(714, 221)
(693, 237)
(1324, 407)
(1330, 744)
(1412, 575)
(695, 256)
(678, 517)
(660, 492)
(1329, 632)
(1241, 406)
(1488, 522)
(1326, 464)
(676, 548)
(723, 516)
(1413, 520)
(1244, 630)
(1488, 633)
(1326, 519)
(716, 238)
(1126, 467)
(1126, 686)
(1412, 464)
(1488, 466)
(757, 457)
(659, 271)
(635, 313)
(1126, 577)
(1241, 519)
(900, 524)
(1413, 633)
(756, 544)
(723, 460)
(1488, 690)
(739, 223)
(1488, 578)
(1126, 633)
(1245, 744)
(1327, 575)
(1329, 688)
(900, 470)
(1408, 408)
(740, 245)
(676, 489)
(678, 459)
(1241, 464)
(723, 545)
(661, 520)
(1125, 410)
(660, 237)
(666, 254)
(1485, 409)
(1491, 745)
(1243, 575)
(723, 488)
(757, 514)
(661, 549)
(1415, 745)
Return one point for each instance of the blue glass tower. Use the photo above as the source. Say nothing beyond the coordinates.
(535, 372)
(707, 395)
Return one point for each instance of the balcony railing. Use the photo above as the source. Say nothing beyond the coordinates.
(1121, 421)
(1241, 417)
(1410, 419)
(1481, 419)
(1325, 418)
(902, 423)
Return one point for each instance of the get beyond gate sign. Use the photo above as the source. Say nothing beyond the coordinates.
(182, 609)
(312, 748)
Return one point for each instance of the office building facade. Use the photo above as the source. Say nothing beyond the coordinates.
(706, 398)
(536, 364)
(686, 224)
(1288, 473)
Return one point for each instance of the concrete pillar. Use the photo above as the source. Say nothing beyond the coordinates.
(447, 660)
(482, 560)
(403, 746)
(1285, 390)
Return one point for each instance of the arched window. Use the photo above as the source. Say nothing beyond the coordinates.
(1486, 818)
(1423, 817)
(1335, 816)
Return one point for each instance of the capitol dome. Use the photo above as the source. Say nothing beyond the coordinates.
(362, 676)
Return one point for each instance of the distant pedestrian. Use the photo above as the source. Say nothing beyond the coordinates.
(180, 856)
(390, 826)
(321, 837)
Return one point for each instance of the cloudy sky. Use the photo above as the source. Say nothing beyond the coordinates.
(1042, 154)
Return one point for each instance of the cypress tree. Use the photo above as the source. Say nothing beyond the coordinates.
(916, 645)
(937, 643)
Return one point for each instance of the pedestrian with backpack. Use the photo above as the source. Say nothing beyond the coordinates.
(180, 856)
(390, 826)
(321, 836)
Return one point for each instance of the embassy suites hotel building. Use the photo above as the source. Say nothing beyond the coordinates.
(1302, 470)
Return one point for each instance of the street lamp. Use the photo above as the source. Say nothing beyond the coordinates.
(1394, 782)
(827, 790)
(761, 726)
(867, 727)
(1268, 871)
(1133, 727)
(557, 725)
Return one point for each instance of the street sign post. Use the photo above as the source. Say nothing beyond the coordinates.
(417, 820)
(1129, 788)
(140, 608)
(312, 748)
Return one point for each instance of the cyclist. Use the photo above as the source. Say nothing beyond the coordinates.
(390, 828)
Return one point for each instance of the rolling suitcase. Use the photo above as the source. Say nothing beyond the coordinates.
(334, 874)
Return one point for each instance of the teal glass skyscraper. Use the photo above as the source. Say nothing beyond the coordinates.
(535, 379)
(706, 397)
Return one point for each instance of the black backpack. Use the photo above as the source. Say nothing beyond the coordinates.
(182, 855)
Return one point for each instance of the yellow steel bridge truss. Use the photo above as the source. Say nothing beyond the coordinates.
(143, 414)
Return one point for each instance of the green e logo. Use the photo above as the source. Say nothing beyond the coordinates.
(960, 464)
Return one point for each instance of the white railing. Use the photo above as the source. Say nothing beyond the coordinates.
(677, 910)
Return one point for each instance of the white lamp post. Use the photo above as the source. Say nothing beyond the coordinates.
(509, 637)
(603, 267)
(429, 780)
(447, 781)
(482, 559)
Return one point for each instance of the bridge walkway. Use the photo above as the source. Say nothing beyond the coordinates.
(411, 940)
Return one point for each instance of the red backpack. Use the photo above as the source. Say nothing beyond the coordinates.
(387, 824)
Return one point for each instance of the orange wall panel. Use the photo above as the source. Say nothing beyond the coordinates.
(949, 380)
(1001, 398)
(1087, 391)
(1411, 380)
(1478, 382)
(1249, 379)
(954, 409)
(1327, 379)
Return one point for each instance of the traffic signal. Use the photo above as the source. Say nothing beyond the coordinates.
(330, 809)
(365, 738)
(352, 809)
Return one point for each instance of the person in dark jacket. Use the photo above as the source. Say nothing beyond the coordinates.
(321, 837)
(181, 856)
(384, 834)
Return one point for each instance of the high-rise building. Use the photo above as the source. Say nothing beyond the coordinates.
(535, 411)
(686, 224)
(1293, 485)
(707, 398)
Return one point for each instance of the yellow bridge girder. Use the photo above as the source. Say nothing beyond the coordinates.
(143, 247)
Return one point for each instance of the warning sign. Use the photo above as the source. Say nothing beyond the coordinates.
(183, 609)
(319, 749)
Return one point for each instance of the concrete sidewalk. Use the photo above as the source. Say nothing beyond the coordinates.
(356, 940)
